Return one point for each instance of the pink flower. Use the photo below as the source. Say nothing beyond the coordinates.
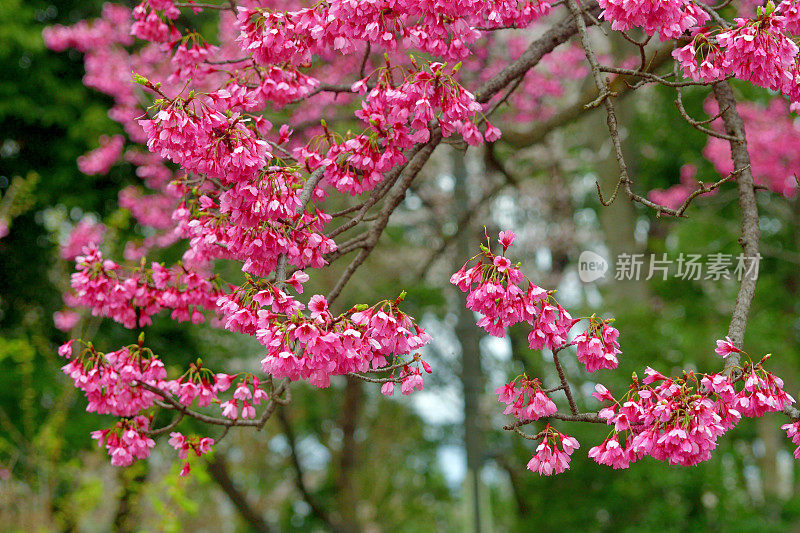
(411, 382)
(318, 306)
(387, 389)
(230, 409)
(610, 453)
(506, 239)
(549, 459)
(726, 347)
(65, 350)
(492, 132)
(501, 263)
(597, 347)
(66, 320)
(602, 393)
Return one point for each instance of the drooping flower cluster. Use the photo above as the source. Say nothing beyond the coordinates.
(759, 50)
(316, 347)
(442, 29)
(107, 379)
(668, 18)
(249, 396)
(127, 441)
(525, 400)
(183, 445)
(255, 222)
(553, 453)
(679, 420)
(397, 115)
(206, 141)
(132, 299)
(495, 288)
(597, 346)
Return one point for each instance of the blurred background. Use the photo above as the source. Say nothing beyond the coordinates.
(347, 458)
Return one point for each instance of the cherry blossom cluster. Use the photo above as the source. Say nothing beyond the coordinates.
(679, 420)
(205, 140)
(442, 29)
(106, 379)
(320, 345)
(132, 298)
(100, 160)
(183, 445)
(667, 18)
(151, 18)
(126, 441)
(127, 382)
(597, 347)
(759, 50)
(398, 115)
(496, 290)
(553, 453)
(525, 399)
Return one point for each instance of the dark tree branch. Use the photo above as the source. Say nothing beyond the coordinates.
(218, 469)
(319, 511)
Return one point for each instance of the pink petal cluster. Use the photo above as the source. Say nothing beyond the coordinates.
(759, 50)
(100, 160)
(526, 400)
(108, 380)
(396, 116)
(668, 18)
(553, 453)
(149, 24)
(132, 299)
(127, 441)
(495, 290)
(441, 29)
(679, 420)
(314, 349)
(598, 347)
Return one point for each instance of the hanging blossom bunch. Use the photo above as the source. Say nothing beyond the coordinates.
(100, 160)
(132, 298)
(397, 115)
(677, 420)
(760, 50)
(127, 383)
(667, 18)
(442, 29)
